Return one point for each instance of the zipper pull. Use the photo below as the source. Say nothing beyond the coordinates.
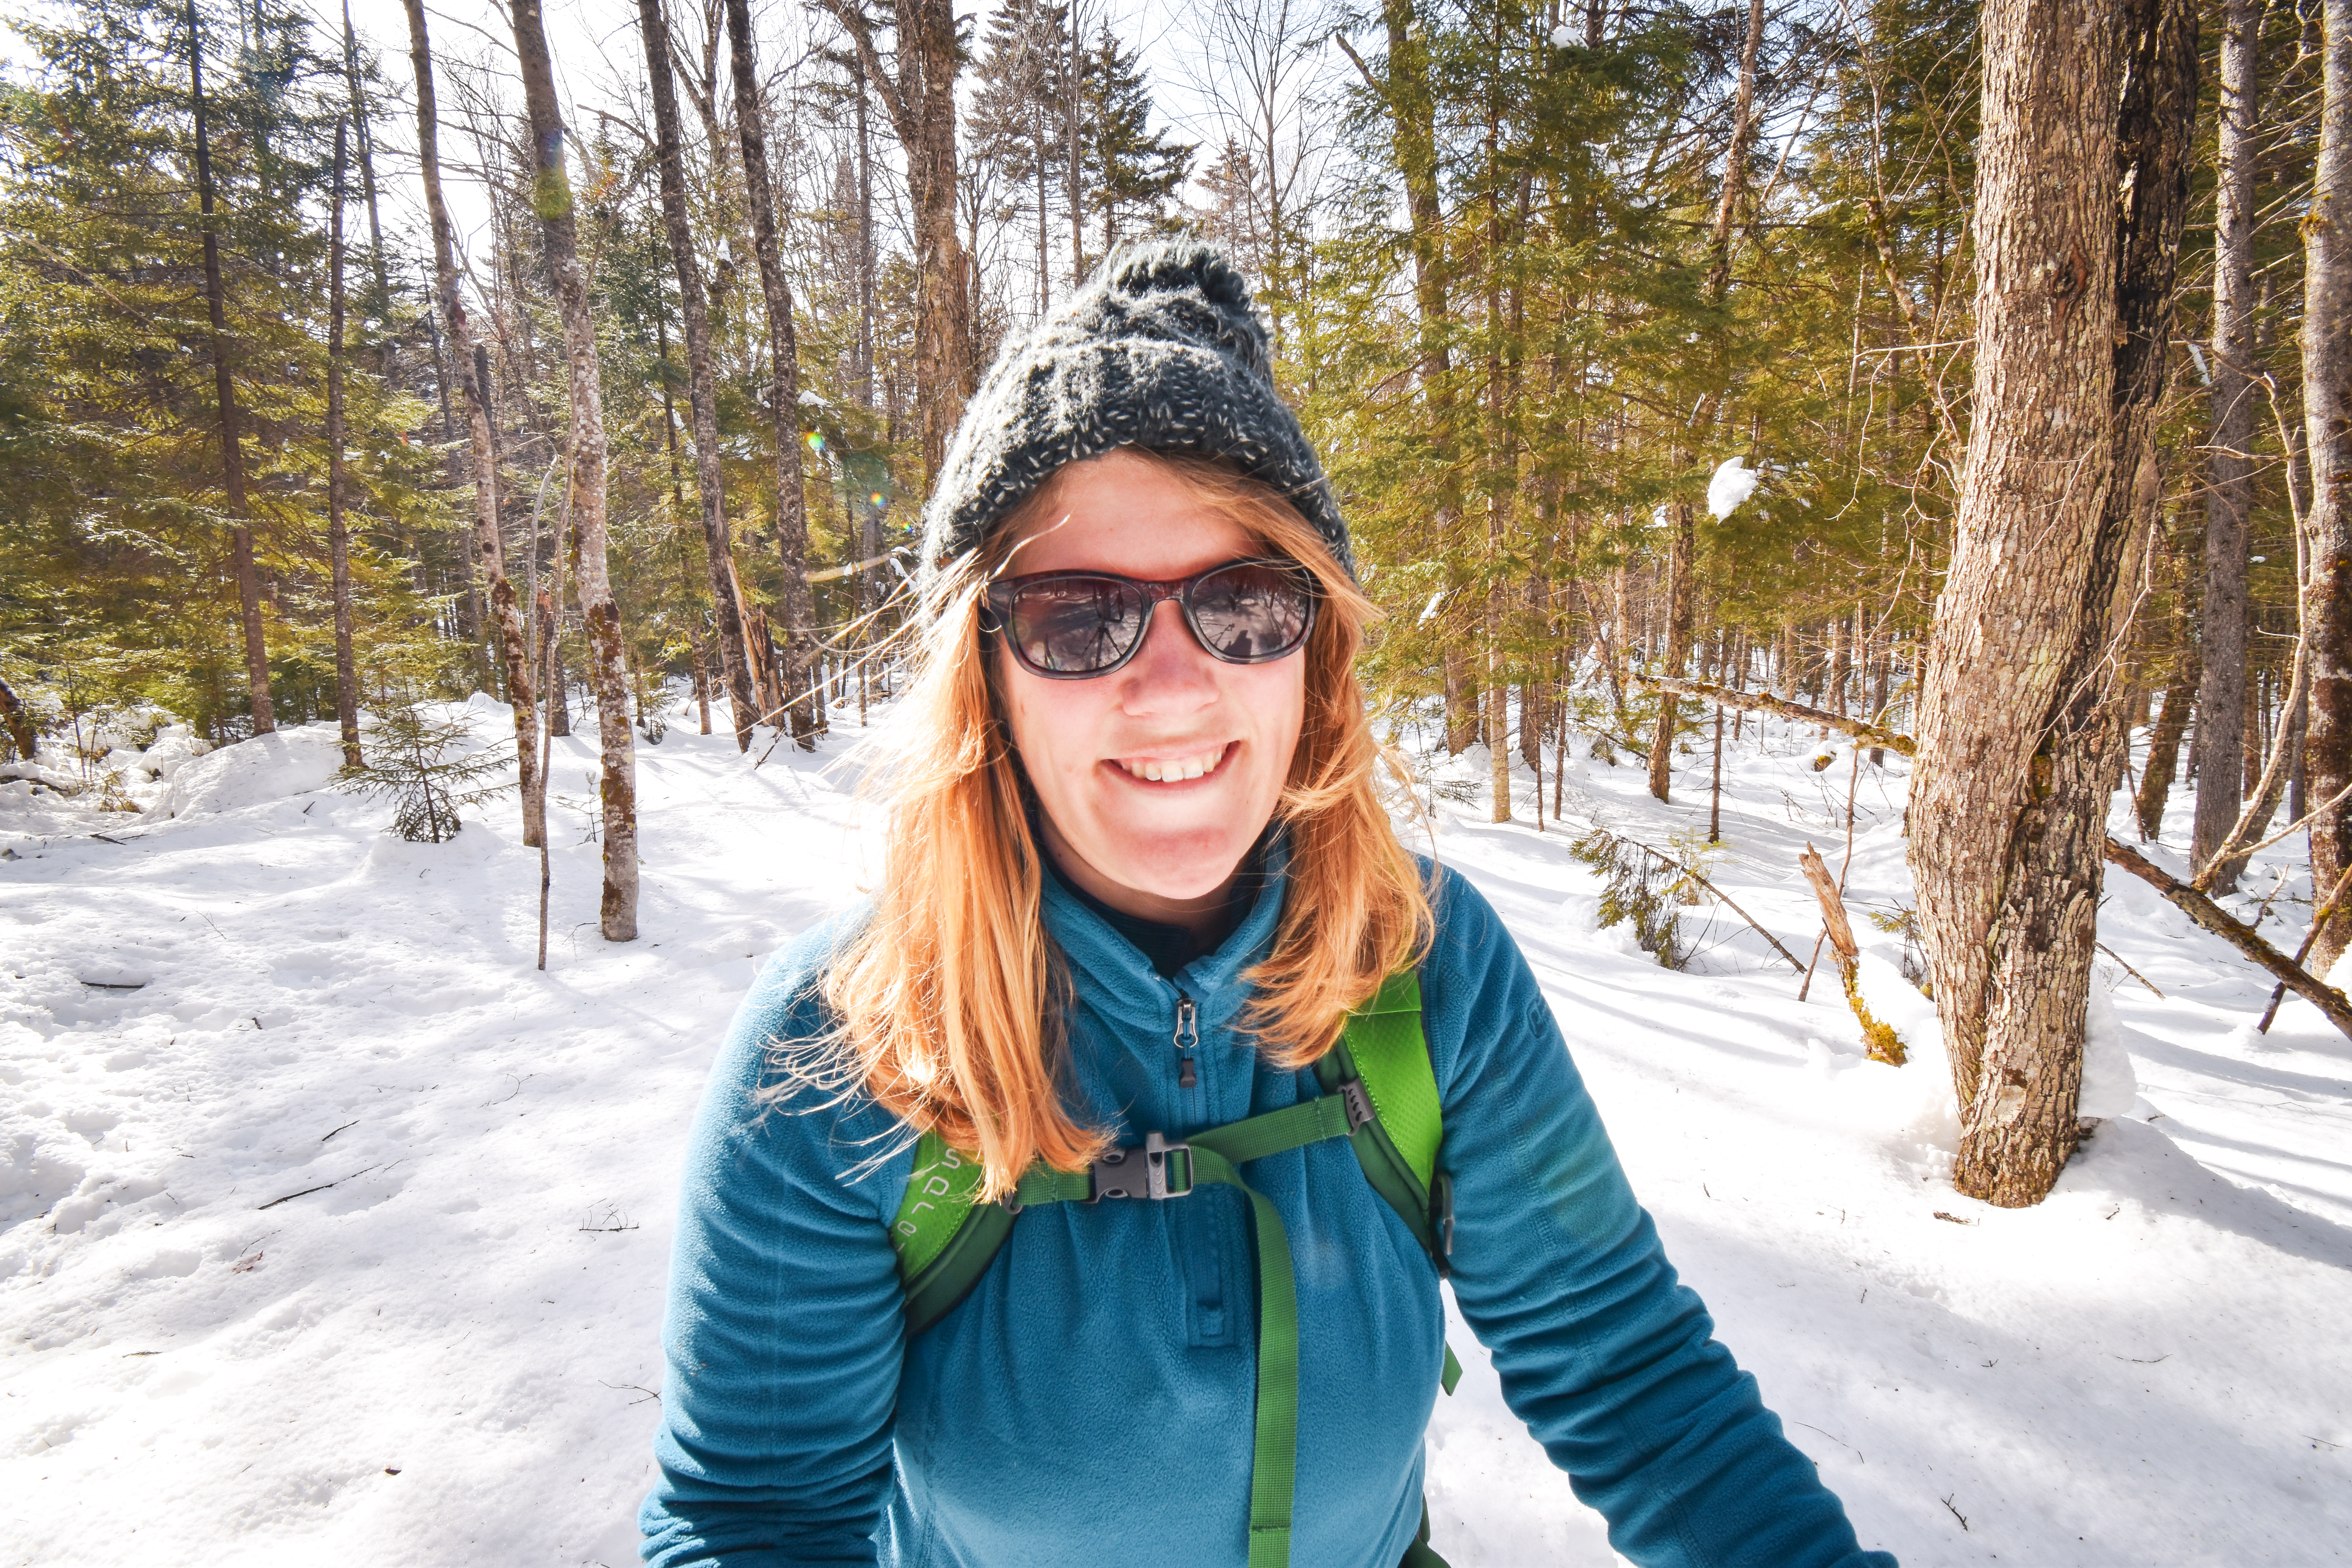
(1188, 1039)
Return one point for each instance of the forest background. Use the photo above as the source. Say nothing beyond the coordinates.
(1641, 340)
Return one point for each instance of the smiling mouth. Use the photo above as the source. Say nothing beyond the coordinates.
(1174, 770)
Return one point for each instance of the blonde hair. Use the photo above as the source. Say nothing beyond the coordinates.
(951, 998)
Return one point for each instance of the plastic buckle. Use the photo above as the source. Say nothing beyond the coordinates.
(1358, 1101)
(1143, 1172)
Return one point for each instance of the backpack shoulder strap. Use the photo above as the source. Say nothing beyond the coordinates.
(1391, 1053)
(1385, 1047)
(945, 1240)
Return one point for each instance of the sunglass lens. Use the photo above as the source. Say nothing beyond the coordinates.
(1250, 612)
(1073, 626)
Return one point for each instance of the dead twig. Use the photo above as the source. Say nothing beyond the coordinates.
(2135, 974)
(321, 1187)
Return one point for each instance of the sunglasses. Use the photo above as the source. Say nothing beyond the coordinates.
(1070, 626)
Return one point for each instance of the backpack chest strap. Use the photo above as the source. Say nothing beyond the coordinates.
(1379, 1091)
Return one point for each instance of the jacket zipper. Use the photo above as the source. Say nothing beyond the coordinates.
(1187, 1041)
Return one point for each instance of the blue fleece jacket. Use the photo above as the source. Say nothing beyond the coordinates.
(1091, 1400)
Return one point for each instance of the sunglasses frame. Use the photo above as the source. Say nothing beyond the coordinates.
(1002, 593)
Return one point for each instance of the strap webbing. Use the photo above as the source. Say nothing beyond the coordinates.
(945, 1239)
(1215, 1156)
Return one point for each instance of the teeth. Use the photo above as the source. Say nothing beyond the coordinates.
(1176, 769)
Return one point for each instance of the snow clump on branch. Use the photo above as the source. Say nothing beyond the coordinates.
(1733, 483)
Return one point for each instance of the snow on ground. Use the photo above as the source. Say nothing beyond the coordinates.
(332, 1229)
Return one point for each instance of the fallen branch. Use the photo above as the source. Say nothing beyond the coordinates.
(1884, 1045)
(2200, 909)
(1764, 702)
(2319, 920)
(2213, 917)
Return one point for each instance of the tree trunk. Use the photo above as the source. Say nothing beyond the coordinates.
(783, 375)
(585, 494)
(489, 551)
(18, 722)
(1682, 595)
(2327, 423)
(249, 583)
(338, 546)
(2007, 927)
(2220, 743)
(2018, 745)
(700, 388)
(921, 99)
(1463, 714)
(1682, 560)
(363, 133)
(1074, 175)
(2164, 747)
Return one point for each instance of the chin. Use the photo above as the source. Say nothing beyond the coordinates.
(1178, 865)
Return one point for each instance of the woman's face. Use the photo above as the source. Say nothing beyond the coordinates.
(1167, 848)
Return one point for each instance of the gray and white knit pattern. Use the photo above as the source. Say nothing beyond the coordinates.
(1163, 349)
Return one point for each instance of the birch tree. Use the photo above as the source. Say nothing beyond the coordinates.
(2220, 742)
(505, 611)
(584, 491)
(339, 544)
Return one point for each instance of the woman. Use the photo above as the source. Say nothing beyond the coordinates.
(1136, 878)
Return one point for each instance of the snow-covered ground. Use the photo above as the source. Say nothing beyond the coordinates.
(332, 1230)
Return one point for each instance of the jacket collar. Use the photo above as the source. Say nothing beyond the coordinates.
(1118, 978)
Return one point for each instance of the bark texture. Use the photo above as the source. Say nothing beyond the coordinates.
(2228, 498)
(584, 495)
(701, 393)
(339, 543)
(2328, 426)
(505, 611)
(919, 97)
(249, 582)
(798, 604)
(2004, 845)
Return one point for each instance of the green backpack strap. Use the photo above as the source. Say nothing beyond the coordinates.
(945, 1240)
(1384, 1048)
(1380, 1093)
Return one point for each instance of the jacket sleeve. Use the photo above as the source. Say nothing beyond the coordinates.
(783, 1330)
(1609, 1361)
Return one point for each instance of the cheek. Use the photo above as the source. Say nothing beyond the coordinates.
(1275, 695)
(1052, 725)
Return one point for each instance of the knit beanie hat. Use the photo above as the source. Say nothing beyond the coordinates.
(1162, 348)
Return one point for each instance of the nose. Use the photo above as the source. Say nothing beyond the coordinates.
(1171, 673)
